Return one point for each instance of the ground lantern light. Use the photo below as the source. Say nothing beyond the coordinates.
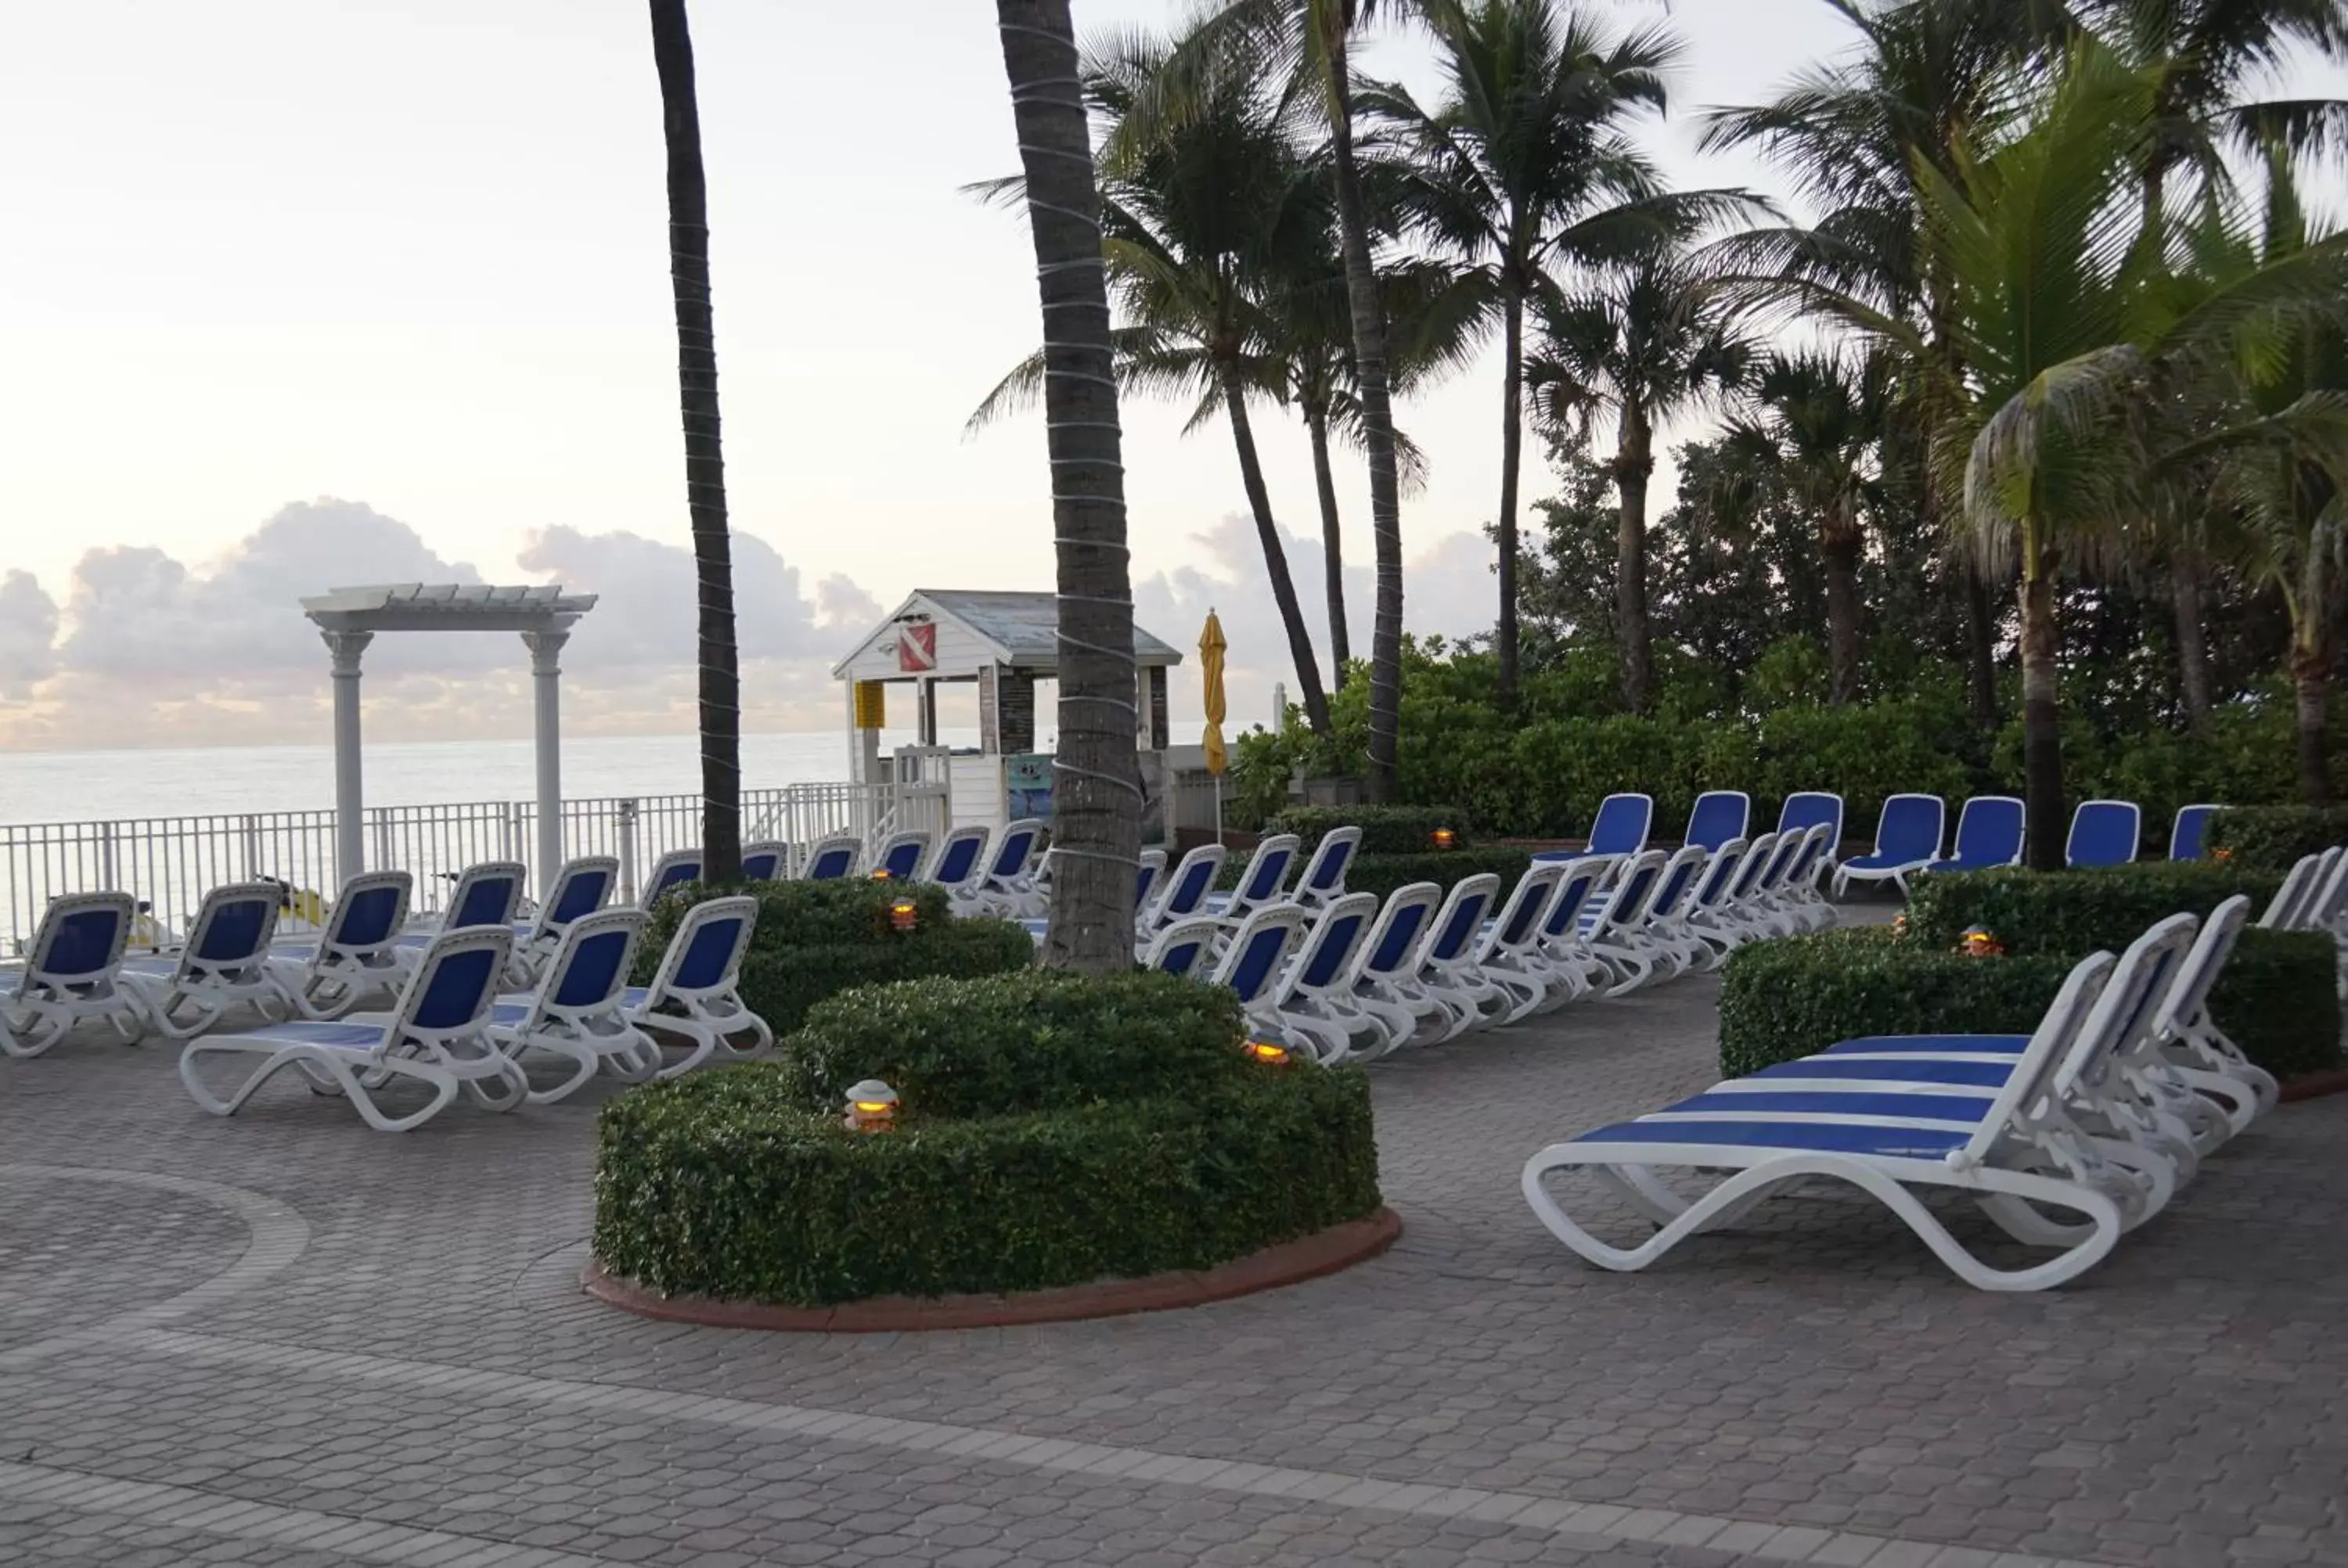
(872, 1107)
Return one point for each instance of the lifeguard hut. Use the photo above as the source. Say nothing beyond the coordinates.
(1004, 643)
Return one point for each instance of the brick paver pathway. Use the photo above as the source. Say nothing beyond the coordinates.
(284, 1338)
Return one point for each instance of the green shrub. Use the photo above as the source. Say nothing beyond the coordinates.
(1382, 873)
(1035, 1041)
(1053, 1130)
(2073, 913)
(2273, 837)
(1784, 1000)
(815, 939)
(1385, 829)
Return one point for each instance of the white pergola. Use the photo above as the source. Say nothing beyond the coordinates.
(348, 618)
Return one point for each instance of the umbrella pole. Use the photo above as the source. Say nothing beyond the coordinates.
(1218, 779)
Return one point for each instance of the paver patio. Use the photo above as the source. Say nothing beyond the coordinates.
(286, 1340)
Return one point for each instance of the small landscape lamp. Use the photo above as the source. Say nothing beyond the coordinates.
(904, 915)
(1267, 1052)
(1977, 943)
(2221, 853)
(1443, 838)
(879, 873)
(1899, 926)
(872, 1107)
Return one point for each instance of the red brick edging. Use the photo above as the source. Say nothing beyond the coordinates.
(2308, 1085)
(1289, 1263)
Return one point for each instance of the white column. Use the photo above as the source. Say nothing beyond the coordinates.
(546, 682)
(350, 804)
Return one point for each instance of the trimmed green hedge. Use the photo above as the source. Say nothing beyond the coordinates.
(1382, 873)
(1053, 1130)
(2073, 913)
(2274, 837)
(1385, 829)
(816, 939)
(1784, 1000)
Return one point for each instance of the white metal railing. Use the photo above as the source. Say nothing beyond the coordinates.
(171, 862)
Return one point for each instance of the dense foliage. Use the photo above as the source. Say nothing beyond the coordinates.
(2071, 913)
(815, 939)
(2275, 837)
(1055, 1130)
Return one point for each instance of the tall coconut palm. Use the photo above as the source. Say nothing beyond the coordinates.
(1644, 344)
(1199, 222)
(705, 464)
(1814, 424)
(1095, 781)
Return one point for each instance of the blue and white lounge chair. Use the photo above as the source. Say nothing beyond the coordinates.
(1707, 903)
(1806, 809)
(1990, 833)
(669, 873)
(2012, 1147)
(1183, 947)
(1261, 883)
(1606, 934)
(832, 857)
(1384, 981)
(224, 964)
(73, 974)
(1737, 916)
(1188, 887)
(2189, 1040)
(765, 860)
(1566, 966)
(901, 852)
(958, 862)
(436, 1037)
(577, 1014)
(696, 996)
(583, 887)
(1508, 955)
(1621, 825)
(1446, 972)
(2104, 832)
(489, 893)
(1322, 882)
(1006, 888)
(2188, 836)
(1149, 881)
(1257, 958)
(1663, 932)
(357, 956)
(1313, 1002)
(1907, 839)
(1719, 815)
(2299, 889)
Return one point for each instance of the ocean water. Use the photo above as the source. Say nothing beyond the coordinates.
(80, 786)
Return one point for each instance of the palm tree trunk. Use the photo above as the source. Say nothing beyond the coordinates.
(1840, 544)
(1095, 781)
(2042, 724)
(705, 464)
(1512, 377)
(1333, 549)
(1377, 409)
(2311, 676)
(2192, 641)
(1981, 647)
(1275, 555)
(1633, 463)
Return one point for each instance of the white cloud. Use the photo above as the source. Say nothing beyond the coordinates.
(28, 633)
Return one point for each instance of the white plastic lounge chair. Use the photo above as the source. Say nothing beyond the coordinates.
(1187, 888)
(1253, 963)
(1717, 816)
(73, 974)
(1907, 839)
(1809, 808)
(1312, 1001)
(1790, 889)
(487, 894)
(1664, 931)
(1707, 903)
(1990, 830)
(1604, 934)
(1567, 968)
(1383, 982)
(2299, 888)
(669, 873)
(357, 956)
(2016, 1152)
(959, 859)
(436, 1037)
(1736, 917)
(2189, 834)
(1621, 827)
(580, 887)
(2104, 832)
(901, 852)
(224, 963)
(577, 1014)
(765, 860)
(1446, 972)
(832, 857)
(694, 994)
(2189, 1040)
(1006, 888)
(1261, 883)
(1507, 954)
(1181, 949)
(1148, 882)
(1322, 881)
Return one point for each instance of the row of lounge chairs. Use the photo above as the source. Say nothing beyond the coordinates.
(2066, 1138)
(1991, 832)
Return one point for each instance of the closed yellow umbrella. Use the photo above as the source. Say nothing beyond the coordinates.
(1210, 663)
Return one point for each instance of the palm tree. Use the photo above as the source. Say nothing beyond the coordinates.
(1644, 344)
(1096, 785)
(1197, 223)
(705, 463)
(1306, 44)
(1814, 425)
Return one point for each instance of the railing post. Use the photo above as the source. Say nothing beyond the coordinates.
(108, 875)
(628, 851)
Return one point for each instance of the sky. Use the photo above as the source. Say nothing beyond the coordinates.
(307, 292)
